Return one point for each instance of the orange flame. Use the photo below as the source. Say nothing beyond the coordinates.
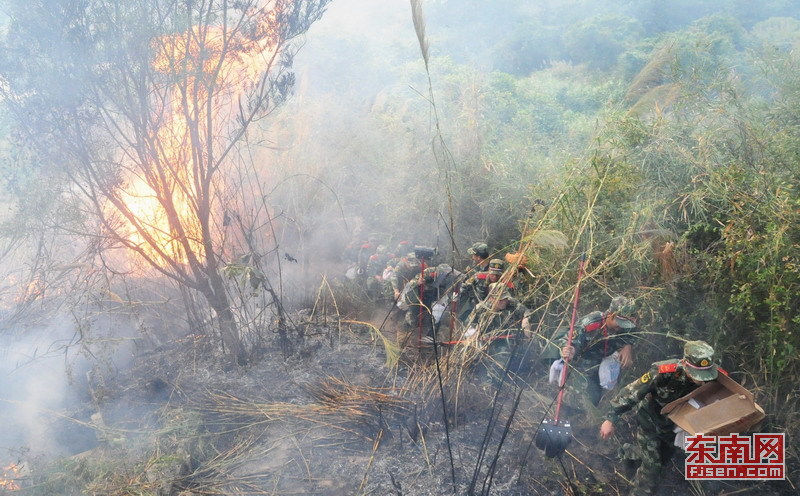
(144, 205)
(10, 475)
(203, 60)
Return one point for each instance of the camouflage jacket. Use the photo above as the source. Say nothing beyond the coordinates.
(365, 251)
(405, 271)
(592, 340)
(476, 287)
(487, 320)
(430, 292)
(663, 383)
(377, 262)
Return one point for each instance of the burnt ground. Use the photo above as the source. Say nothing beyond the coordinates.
(333, 419)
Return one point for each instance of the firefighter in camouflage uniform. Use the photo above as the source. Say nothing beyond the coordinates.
(597, 336)
(475, 288)
(376, 266)
(402, 249)
(419, 296)
(665, 382)
(406, 270)
(500, 321)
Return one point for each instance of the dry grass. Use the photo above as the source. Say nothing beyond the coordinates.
(652, 74)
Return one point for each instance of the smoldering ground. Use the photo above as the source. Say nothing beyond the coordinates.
(44, 376)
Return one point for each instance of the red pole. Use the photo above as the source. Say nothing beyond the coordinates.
(421, 291)
(562, 382)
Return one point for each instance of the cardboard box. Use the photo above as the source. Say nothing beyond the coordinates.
(718, 407)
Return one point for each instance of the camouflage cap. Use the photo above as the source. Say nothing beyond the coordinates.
(444, 268)
(499, 290)
(698, 361)
(496, 265)
(622, 306)
(480, 249)
(411, 260)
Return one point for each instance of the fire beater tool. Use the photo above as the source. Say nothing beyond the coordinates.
(555, 434)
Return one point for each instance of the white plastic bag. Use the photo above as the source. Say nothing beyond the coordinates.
(437, 311)
(555, 371)
(405, 301)
(609, 371)
(680, 437)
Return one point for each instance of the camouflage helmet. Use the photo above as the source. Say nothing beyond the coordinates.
(499, 290)
(496, 265)
(698, 361)
(479, 249)
(381, 249)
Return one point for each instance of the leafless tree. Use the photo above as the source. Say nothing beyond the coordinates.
(152, 106)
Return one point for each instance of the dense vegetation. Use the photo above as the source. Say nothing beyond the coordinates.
(663, 139)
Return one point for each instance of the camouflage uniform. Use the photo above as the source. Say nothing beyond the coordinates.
(526, 285)
(495, 272)
(419, 312)
(501, 327)
(593, 341)
(365, 251)
(472, 291)
(475, 288)
(403, 248)
(378, 261)
(665, 382)
(375, 266)
(406, 269)
(350, 253)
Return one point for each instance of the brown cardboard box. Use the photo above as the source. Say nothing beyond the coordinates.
(724, 407)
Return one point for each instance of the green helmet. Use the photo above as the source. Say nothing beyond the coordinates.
(698, 361)
(480, 249)
(496, 265)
